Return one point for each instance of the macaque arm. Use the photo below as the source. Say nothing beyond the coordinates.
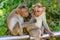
(12, 23)
(31, 21)
(11, 20)
(45, 23)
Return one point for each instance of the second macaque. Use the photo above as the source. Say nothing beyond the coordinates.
(40, 17)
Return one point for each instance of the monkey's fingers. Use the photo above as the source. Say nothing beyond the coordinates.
(51, 35)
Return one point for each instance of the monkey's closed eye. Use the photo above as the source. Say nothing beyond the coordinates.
(22, 7)
(38, 11)
(39, 6)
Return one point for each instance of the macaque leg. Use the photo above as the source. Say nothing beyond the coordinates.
(14, 32)
(20, 31)
(17, 30)
(42, 30)
(36, 34)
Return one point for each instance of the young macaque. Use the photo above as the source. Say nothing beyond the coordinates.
(39, 15)
(16, 19)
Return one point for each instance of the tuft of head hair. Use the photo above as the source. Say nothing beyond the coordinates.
(22, 5)
(36, 5)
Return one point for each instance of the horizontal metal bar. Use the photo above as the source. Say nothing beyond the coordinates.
(56, 34)
(14, 37)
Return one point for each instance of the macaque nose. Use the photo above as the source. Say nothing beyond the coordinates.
(36, 14)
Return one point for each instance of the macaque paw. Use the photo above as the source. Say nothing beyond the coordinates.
(51, 34)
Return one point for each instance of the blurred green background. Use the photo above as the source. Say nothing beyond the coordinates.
(52, 12)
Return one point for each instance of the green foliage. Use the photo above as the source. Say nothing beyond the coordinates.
(55, 26)
(3, 31)
(6, 6)
(52, 24)
(53, 39)
(59, 24)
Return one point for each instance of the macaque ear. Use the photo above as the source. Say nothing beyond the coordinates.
(44, 8)
(32, 8)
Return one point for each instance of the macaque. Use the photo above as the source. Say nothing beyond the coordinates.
(16, 19)
(34, 25)
(40, 17)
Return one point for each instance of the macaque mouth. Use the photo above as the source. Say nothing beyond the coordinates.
(36, 15)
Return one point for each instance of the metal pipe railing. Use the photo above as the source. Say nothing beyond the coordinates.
(56, 34)
(14, 37)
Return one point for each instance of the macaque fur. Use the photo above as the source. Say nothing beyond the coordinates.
(15, 19)
(36, 29)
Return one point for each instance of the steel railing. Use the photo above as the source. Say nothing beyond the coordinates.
(56, 34)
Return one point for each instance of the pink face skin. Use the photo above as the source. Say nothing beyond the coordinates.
(25, 13)
(38, 11)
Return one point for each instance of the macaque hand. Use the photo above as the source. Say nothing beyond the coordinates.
(51, 34)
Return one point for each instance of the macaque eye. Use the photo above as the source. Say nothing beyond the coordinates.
(38, 11)
(39, 6)
(23, 6)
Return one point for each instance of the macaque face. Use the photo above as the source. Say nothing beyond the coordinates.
(38, 10)
(23, 11)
